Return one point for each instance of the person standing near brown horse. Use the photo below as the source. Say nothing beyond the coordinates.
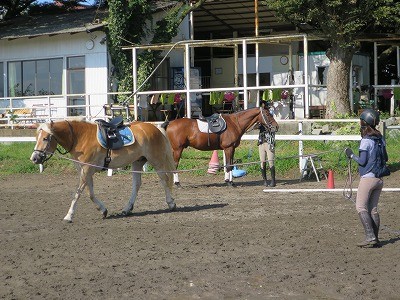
(266, 150)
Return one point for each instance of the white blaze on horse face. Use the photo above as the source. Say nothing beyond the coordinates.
(45, 127)
(40, 138)
(42, 129)
(42, 144)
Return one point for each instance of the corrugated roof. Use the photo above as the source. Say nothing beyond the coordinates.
(223, 17)
(53, 24)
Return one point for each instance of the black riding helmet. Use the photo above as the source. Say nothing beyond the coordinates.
(370, 116)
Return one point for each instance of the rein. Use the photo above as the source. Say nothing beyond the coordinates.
(268, 124)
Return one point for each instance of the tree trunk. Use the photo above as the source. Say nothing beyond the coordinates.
(338, 82)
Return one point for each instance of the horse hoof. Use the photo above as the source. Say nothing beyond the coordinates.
(178, 185)
(173, 208)
(67, 220)
(105, 214)
(230, 183)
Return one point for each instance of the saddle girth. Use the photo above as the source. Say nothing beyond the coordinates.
(109, 133)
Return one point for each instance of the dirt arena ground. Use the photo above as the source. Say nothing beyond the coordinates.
(221, 243)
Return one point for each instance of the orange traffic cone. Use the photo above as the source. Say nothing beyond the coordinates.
(213, 166)
(331, 180)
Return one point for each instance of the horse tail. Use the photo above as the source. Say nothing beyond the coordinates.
(165, 125)
(168, 142)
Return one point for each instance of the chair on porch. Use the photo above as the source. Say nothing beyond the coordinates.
(227, 103)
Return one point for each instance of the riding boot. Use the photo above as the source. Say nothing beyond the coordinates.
(264, 173)
(376, 221)
(370, 238)
(272, 183)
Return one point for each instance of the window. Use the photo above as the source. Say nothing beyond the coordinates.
(76, 85)
(322, 73)
(56, 76)
(357, 76)
(1, 80)
(15, 79)
(35, 77)
(161, 76)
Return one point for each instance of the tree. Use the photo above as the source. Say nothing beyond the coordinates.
(341, 23)
(14, 8)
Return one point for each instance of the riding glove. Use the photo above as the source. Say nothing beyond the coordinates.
(349, 152)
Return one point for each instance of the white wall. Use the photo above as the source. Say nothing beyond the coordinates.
(62, 46)
(176, 57)
(318, 94)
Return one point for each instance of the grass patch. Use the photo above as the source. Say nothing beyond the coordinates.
(14, 158)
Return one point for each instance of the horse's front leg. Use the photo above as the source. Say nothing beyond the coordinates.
(100, 205)
(228, 163)
(137, 168)
(79, 191)
(177, 156)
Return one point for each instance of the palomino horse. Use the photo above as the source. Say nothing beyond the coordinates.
(184, 132)
(79, 139)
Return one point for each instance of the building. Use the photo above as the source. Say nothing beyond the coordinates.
(57, 66)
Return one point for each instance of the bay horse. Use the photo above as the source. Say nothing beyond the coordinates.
(185, 132)
(79, 139)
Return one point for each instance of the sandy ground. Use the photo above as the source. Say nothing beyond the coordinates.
(221, 243)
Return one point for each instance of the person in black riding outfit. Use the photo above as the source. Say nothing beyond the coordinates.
(370, 187)
(266, 150)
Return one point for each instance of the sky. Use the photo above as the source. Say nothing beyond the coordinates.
(90, 2)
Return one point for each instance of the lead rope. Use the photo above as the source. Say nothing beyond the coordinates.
(348, 186)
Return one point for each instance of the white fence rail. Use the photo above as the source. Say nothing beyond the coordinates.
(280, 137)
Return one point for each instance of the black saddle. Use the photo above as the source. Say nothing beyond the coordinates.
(109, 132)
(216, 123)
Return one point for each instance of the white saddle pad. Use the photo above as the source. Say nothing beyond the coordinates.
(203, 126)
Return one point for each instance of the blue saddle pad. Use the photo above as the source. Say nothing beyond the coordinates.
(124, 137)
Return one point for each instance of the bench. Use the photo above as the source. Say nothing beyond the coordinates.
(22, 115)
(313, 165)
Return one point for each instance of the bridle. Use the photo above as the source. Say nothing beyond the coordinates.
(45, 154)
(267, 124)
